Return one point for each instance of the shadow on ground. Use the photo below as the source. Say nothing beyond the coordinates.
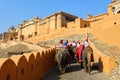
(54, 74)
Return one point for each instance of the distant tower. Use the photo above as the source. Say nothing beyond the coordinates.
(12, 29)
(113, 1)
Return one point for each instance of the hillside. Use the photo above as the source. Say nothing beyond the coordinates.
(18, 49)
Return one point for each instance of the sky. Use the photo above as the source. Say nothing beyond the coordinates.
(13, 12)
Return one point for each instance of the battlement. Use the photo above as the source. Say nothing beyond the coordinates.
(29, 66)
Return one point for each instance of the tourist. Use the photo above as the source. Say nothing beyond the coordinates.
(86, 43)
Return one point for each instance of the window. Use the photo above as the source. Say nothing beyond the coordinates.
(118, 12)
(8, 77)
(31, 66)
(22, 71)
(85, 26)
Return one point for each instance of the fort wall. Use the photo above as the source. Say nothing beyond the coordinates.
(57, 33)
(28, 31)
(7, 36)
(106, 22)
(78, 23)
(97, 18)
(71, 24)
(107, 30)
(29, 66)
(106, 63)
(43, 29)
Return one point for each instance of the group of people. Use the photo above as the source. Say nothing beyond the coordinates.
(75, 48)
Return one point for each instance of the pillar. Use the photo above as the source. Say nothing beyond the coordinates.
(20, 33)
(36, 19)
(48, 25)
(59, 20)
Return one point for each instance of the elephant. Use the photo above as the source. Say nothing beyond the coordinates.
(87, 58)
(62, 58)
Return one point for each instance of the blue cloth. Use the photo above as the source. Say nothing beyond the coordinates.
(65, 43)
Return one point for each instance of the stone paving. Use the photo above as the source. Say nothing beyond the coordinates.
(75, 73)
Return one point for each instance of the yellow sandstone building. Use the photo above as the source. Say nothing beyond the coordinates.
(40, 26)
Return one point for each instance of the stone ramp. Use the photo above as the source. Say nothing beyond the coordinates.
(18, 48)
(75, 73)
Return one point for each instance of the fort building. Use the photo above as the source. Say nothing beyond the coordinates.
(113, 9)
(10, 35)
(39, 26)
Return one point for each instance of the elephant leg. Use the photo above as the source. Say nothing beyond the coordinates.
(89, 68)
(89, 63)
(60, 69)
(85, 64)
(81, 64)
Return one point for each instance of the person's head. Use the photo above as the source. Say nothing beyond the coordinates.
(61, 41)
(86, 39)
(73, 41)
(67, 41)
(82, 43)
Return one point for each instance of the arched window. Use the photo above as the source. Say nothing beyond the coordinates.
(118, 12)
(8, 77)
(22, 71)
(11, 38)
(85, 26)
(31, 66)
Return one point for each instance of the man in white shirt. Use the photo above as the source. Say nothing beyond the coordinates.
(86, 43)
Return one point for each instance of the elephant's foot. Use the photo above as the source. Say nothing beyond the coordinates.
(86, 70)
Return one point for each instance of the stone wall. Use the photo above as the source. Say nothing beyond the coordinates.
(27, 31)
(53, 24)
(107, 30)
(29, 66)
(97, 18)
(78, 23)
(106, 63)
(7, 36)
(43, 29)
(58, 32)
(106, 22)
(71, 24)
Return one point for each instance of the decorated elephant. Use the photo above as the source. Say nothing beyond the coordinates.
(62, 57)
(87, 58)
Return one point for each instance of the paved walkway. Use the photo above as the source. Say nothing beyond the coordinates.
(75, 73)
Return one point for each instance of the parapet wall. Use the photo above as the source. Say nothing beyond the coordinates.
(78, 23)
(57, 33)
(106, 62)
(29, 66)
(98, 17)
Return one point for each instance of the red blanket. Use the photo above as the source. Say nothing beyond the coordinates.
(79, 52)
